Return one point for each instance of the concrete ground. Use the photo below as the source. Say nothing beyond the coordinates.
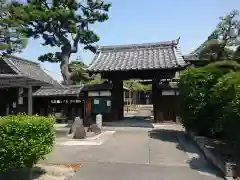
(143, 153)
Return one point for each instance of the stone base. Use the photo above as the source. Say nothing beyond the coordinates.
(228, 168)
(88, 141)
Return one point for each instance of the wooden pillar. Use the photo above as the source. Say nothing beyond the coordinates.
(121, 99)
(156, 98)
(117, 100)
(30, 101)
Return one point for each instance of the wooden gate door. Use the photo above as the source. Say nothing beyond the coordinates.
(168, 104)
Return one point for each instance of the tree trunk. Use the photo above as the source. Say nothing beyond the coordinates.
(130, 99)
(65, 55)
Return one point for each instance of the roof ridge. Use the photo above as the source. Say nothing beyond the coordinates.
(140, 45)
(29, 69)
(11, 64)
(178, 55)
(24, 60)
(52, 87)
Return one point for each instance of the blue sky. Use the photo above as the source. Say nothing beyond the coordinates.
(138, 21)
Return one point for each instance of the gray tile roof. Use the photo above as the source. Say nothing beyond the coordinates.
(99, 87)
(30, 70)
(194, 59)
(63, 91)
(163, 55)
(71, 90)
(190, 57)
(92, 87)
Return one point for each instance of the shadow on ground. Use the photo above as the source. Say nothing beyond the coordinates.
(196, 160)
(22, 174)
(133, 121)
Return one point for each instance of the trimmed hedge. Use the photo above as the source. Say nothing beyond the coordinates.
(24, 140)
(198, 109)
(195, 91)
(227, 101)
(225, 66)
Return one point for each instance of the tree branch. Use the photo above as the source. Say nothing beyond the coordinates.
(45, 4)
(59, 35)
(75, 43)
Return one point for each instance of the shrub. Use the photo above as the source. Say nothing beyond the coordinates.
(227, 101)
(225, 66)
(195, 89)
(24, 140)
(197, 102)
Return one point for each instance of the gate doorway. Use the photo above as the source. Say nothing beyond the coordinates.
(158, 62)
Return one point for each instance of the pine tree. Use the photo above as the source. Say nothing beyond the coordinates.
(79, 72)
(223, 41)
(11, 39)
(61, 23)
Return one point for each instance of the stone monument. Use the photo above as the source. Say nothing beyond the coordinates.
(99, 120)
(95, 129)
(78, 129)
(80, 133)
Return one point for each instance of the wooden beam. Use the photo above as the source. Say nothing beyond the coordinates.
(117, 100)
(30, 101)
(19, 81)
(156, 99)
(20, 84)
(4, 81)
(140, 74)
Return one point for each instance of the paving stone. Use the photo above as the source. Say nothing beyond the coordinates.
(133, 148)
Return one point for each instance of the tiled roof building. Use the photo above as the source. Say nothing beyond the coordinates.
(18, 70)
(147, 56)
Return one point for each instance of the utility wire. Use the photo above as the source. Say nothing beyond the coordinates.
(51, 71)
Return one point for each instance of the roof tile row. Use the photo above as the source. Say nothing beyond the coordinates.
(163, 55)
(29, 69)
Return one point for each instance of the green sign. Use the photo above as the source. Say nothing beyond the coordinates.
(101, 105)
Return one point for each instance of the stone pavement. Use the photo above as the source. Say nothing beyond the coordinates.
(137, 153)
(124, 171)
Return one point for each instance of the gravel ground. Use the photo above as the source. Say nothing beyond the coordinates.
(43, 172)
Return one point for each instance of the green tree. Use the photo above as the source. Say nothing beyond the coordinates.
(79, 72)
(11, 39)
(61, 23)
(236, 55)
(96, 80)
(223, 40)
(137, 86)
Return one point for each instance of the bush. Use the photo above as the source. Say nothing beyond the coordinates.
(227, 101)
(210, 101)
(195, 90)
(225, 66)
(24, 140)
(197, 102)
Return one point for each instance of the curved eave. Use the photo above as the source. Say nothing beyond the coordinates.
(152, 69)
